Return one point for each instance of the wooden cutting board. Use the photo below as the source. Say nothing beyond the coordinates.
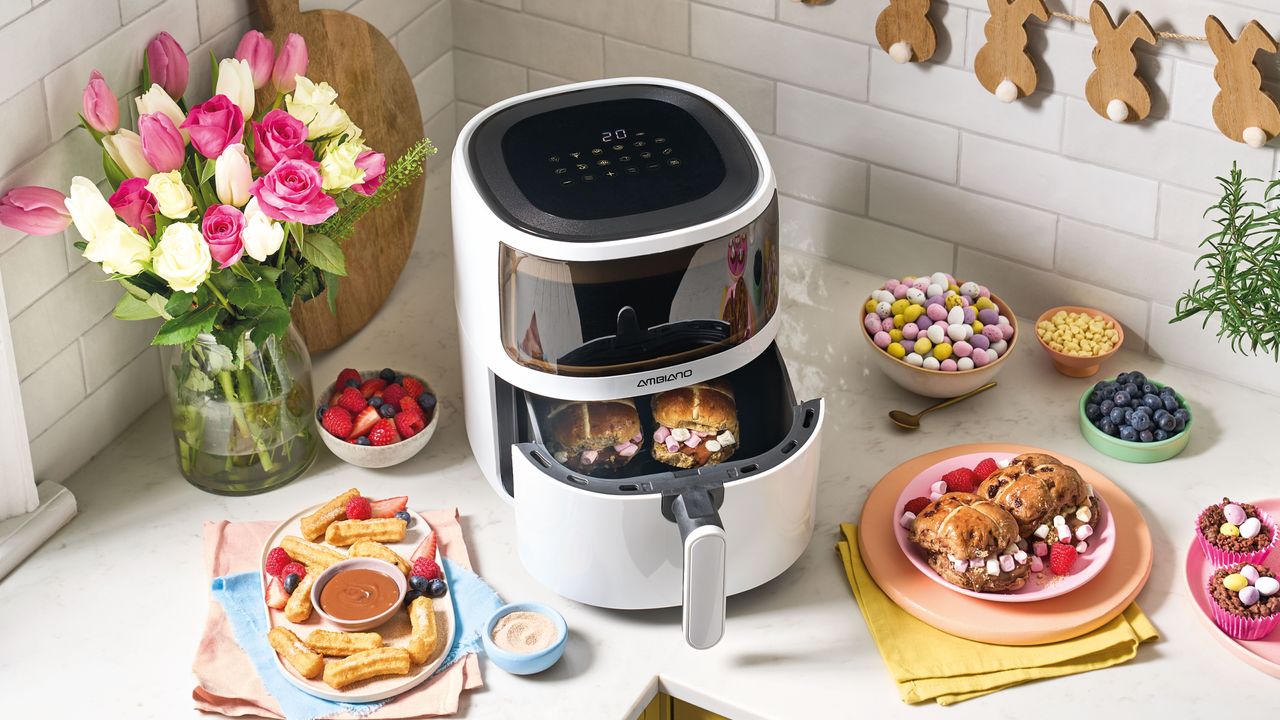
(376, 91)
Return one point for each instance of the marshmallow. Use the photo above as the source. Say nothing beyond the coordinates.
(939, 486)
(960, 565)
(711, 446)
(1233, 513)
(561, 456)
(1267, 586)
(935, 495)
(1082, 547)
(1040, 549)
(661, 434)
(1084, 514)
(1037, 564)
(1006, 563)
(1250, 527)
(1065, 536)
(672, 444)
(589, 456)
(681, 434)
(1059, 521)
(993, 566)
(1004, 463)
(726, 439)
(627, 449)
(907, 520)
(1042, 532)
(1020, 557)
(693, 441)
(1083, 532)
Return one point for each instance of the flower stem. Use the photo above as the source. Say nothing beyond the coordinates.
(221, 298)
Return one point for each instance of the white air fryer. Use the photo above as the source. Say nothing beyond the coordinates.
(614, 239)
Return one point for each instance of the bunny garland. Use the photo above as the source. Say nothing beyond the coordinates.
(1242, 110)
(1003, 66)
(1114, 90)
(904, 31)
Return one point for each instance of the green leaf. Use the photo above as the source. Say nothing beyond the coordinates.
(207, 169)
(115, 175)
(179, 304)
(97, 136)
(185, 329)
(255, 295)
(275, 321)
(331, 285)
(213, 71)
(131, 308)
(324, 253)
(144, 77)
(270, 273)
(198, 382)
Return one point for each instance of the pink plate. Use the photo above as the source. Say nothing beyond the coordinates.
(1039, 586)
(1263, 654)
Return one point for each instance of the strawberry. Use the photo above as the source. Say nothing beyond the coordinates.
(915, 505)
(383, 433)
(960, 480)
(412, 386)
(392, 394)
(1061, 558)
(388, 507)
(428, 549)
(364, 422)
(358, 508)
(293, 568)
(277, 558)
(337, 421)
(984, 469)
(409, 423)
(352, 400)
(345, 375)
(276, 598)
(426, 567)
(372, 386)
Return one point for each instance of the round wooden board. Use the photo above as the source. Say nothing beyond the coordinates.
(376, 91)
(1050, 620)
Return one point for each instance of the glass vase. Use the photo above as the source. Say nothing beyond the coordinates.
(241, 416)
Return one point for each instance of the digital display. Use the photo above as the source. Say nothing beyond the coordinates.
(611, 135)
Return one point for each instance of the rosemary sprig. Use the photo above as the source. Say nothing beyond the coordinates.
(404, 171)
(1243, 262)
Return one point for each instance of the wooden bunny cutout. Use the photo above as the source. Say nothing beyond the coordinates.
(1003, 66)
(904, 31)
(1115, 90)
(1243, 111)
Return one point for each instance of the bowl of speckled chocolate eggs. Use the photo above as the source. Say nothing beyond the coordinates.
(936, 336)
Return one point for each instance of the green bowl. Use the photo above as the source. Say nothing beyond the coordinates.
(1129, 451)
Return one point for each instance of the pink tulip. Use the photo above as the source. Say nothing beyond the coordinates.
(279, 136)
(35, 210)
(100, 106)
(292, 192)
(259, 52)
(221, 228)
(135, 205)
(215, 124)
(374, 165)
(167, 63)
(290, 63)
(162, 144)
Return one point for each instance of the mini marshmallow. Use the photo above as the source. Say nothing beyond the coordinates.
(993, 566)
(726, 438)
(1082, 547)
(1020, 557)
(935, 495)
(561, 456)
(1006, 563)
(1040, 549)
(1084, 514)
(1059, 521)
(711, 446)
(1065, 537)
(907, 520)
(1037, 564)
(1083, 532)
(1042, 532)
(680, 434)
(961, 565)
(1004, 463)
(939, 487)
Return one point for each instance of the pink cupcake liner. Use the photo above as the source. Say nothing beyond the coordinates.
(1220, 557)
(1243, 628)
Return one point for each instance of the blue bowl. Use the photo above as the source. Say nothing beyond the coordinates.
(532, 662)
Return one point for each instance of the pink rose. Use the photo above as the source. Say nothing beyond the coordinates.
(167, 64)
(291, 192)
(135, 205)
(221, 228)
(290, 63)
(374, 165)
(35, 210)
(100, 107)
(279, 136)
(215, 124)
(258, 51)
(162, 144)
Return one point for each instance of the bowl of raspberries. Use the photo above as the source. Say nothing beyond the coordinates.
(377, 419)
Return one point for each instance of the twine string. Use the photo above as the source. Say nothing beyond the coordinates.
(1164, 35)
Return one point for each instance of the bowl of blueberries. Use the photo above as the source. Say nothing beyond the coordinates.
(1133, 418)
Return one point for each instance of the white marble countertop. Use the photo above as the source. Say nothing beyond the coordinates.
(103, 621)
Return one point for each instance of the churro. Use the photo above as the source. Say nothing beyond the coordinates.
(298, 609)
(342, 644)
(371, 549)
(315, 557)
(348, 532)
(368, 664)
(422, 638)
(314, 525)
(307, 663)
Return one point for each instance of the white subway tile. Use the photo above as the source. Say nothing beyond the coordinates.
(1059, 184)
(541, 81)
(1182, 220)
(13, 9)
(858, 241)
(1194, 91)
(484, 81)
(27, 131)
(881, 136)
(789, 54)
(442, 128)
(131, 10)
(508, 4)
(763, 8)
(110, 344)
(389, 16)
(31, 268)
(50, 35)
(856, 21)
(74, 154)
(1014, 231)
(660, 24)
(1186, 343)
(218, 15)
(818, 177)
(434, 86)
(466, 111)
(1123, 262)
(751, 96)
(53, 391)
(427, 37)
(526, 40)
(60, 316)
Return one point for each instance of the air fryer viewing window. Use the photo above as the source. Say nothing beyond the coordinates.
(631, 314)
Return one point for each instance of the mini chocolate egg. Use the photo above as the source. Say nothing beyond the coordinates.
(908, 345)
(993, 333)
(900, 292)
(989, 316)
(1006, 332)
(1233, 513)
(923, 345)
(942, 351)
(1235, 582)
(979, 358)
(936, 334)
(891, 283)
(964, 363)
(936, 312)
(915, 296)
(920, 283)
(896, 350)
(884, 309)
(992, 355)
(959, 332)
(934, 290)
(965, 302)
(955, 316)
(899, 321)
(895, 335)
(980, 341)
(1250, 572)
(910, 331)
(914, 358)
(886, 324)
(1003, 320)
(872, 322)
(923, 322)
(1229, 530)
(962, 349)
(882, 339)
(970, 316)
(1249, 595)
(940, 278)
(931, 363)
(1267, 585)
(970, 290)
(985, 303)
(898, 306)
(882, 296)
(954, 302)
(1250, 527)
(999, 346)
(913, 312)
(948, 365)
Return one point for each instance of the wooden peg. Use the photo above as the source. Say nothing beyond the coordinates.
(904, 31)
(1243, 111)
(1003, 66)
(1114, 90)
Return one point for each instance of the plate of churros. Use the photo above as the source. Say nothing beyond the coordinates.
(355, 599)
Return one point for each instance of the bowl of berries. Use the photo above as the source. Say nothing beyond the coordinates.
(377, 419)
(1133, 418)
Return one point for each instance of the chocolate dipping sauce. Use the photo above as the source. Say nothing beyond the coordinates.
(358, 594)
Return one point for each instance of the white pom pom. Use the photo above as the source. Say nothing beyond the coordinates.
(1006, 91)
(900, 52)
(1117, 110)
(1255, 137)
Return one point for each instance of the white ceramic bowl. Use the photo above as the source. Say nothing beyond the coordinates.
(381, 566)
(936, 383)
(368, 456)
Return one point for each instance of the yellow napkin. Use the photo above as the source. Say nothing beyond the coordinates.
(928, 664)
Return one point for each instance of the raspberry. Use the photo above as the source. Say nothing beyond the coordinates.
(392, 394)
(1061, 558)
(413, 386)
(960, 480)
(277, 558)
(383, 433)
(408, 404)
(345, 375)
(352, 400)
(427, 568)
(984, 469)
(337, 421)
(358, 508)
(915, 505)
(409, 423)
(293, 568)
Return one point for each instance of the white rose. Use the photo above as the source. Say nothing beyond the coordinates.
(125, 148)
(156, 100)
(182, 257)
(173, 198)
(119, 249)
(315, 105)
(338, 169)
(231, 176)
(261, 236)
(235, 80)
(89, 210)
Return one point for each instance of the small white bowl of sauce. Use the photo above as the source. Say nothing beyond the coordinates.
(359, 594)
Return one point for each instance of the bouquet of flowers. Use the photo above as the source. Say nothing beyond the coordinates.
(221, 215)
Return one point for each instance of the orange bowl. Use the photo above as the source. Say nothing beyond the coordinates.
(1078, 366)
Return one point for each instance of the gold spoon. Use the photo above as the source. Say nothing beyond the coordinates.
(912, 422)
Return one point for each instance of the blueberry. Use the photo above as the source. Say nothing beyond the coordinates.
(1162, 435)
(387, 374)
(320, 413)
(1121, 398)
(1170, 402)
(1128, 415)
(1181, 424)
(375, 401)
(427, 401)
(1128, 433)
(1137, 378)
(1149, 389)
(387, 410)
(1131, 388)
(291, 582)
(1141, 422)
(1152, 401)
(1092, 411)
(1169, 423)
(419, 583)
(1182, 414)
(353, 383)
(1146, 436)
(1116, 415)
(405, 516)
(1096, 396)
(1122, 378)
(410, 596)
(363, 440)
(1105, 406)
(436, 588)
(1160, 414)
(1108, 427)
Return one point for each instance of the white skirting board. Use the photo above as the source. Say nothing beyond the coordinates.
(22, 535)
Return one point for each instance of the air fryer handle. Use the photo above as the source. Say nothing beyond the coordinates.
(704, 564)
